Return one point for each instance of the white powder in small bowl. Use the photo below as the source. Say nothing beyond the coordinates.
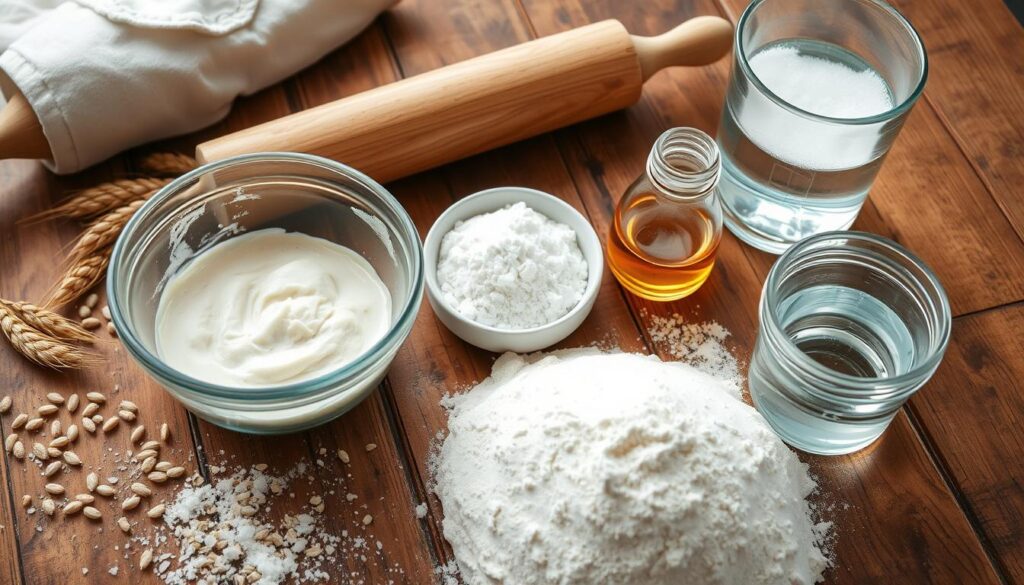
(513, 268)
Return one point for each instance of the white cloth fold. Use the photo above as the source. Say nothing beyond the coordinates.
(125, 72)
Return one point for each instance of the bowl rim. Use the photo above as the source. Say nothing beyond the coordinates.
(590, 292)
(395, 335)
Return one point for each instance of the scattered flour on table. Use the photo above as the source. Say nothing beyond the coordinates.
(699, 344)
(513, 268)
(584, 467)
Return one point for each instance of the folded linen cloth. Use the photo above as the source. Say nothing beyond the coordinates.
(106, 75)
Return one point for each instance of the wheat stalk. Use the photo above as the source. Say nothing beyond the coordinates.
(48, 322)
(102, 198)
(38, 346)
(168, 163)
(102, 233)
(80, 277)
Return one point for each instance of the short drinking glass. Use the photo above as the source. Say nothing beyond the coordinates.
(852, 325)
(818, 93)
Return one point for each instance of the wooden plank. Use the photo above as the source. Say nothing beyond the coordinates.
(974, 84)
(893, 490)
(972, 412)
(58, 548)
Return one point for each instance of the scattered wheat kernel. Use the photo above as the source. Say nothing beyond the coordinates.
(53, 452)
(124, 525)
(91, 481)
(137, 433)
(34, 424)
(91, 323)
(260, 466)
(92, 300)
(18, 450)
(96, 397)
(145, 559)
(26, 500)
(110, 424)
(112, 479)
(89, 425)
(315, 501)
(314, 551)
(49, 507)
(145, 454)
(19, 421)
(370, 447)
(72, 458)
(40, 451)
(55, 428)
(129, 405)
(163, 466)
(55, 398)
(90, 409)
(52, 468)
(141, 489)
(157, 477)
(111, 330)
(54, 488)
(105, 490)
(343, 455)
(60, 442)
(175, 472)
(165, 432)
(367, 520)
(350, 497)
(91, 513)
(72, 404)
(156, 511)
(130, 503)
(105, 311)
(5, 404)
(47, 410)
(154, 445)
(148, 464)
(85, 498)
(98, 419)
(73, 507)
(126, 415)
(84, 312)
(72, 433)
(10, 441)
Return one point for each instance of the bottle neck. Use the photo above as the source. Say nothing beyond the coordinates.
(684, 164)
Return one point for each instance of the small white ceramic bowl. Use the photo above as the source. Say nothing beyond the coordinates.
(518, 340)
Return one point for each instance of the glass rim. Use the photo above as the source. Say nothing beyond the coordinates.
(905, 105)
(304, 388)
(895, 384)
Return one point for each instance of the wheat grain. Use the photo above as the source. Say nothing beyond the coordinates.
(73, 507)
(145, 559)
(92, 513)
(85, 498)
(168, 163)
(5, 405)
(96, 397)
(72, 404)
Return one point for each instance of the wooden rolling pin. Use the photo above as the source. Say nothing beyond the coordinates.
(463, 109)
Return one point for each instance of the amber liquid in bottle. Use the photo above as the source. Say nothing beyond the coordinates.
(661, 251)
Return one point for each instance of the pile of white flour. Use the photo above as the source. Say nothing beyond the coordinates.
(512, 269)
(585, 467)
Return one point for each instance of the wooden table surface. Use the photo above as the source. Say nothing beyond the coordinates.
(940, 499)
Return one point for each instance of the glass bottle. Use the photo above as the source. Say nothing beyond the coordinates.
(668, 224)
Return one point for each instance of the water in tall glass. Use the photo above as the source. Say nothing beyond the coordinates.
(786, 175)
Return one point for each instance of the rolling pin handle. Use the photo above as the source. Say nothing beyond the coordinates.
(698, 41)
(21, 136)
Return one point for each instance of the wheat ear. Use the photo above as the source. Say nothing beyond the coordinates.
(168, 163)
(102, 198)
(80, 277)
(48, 322)
(102, 233)
(38, 346)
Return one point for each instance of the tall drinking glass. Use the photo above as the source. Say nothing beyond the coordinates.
(852, 325)
(818, 92)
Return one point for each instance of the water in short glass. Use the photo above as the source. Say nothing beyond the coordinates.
(818, 93)
(851, 326)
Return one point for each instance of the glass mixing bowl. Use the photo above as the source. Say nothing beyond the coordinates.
(296, 192)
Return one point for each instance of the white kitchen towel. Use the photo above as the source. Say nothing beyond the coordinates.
(106, 75)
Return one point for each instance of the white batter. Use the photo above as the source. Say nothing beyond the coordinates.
(269, 308)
